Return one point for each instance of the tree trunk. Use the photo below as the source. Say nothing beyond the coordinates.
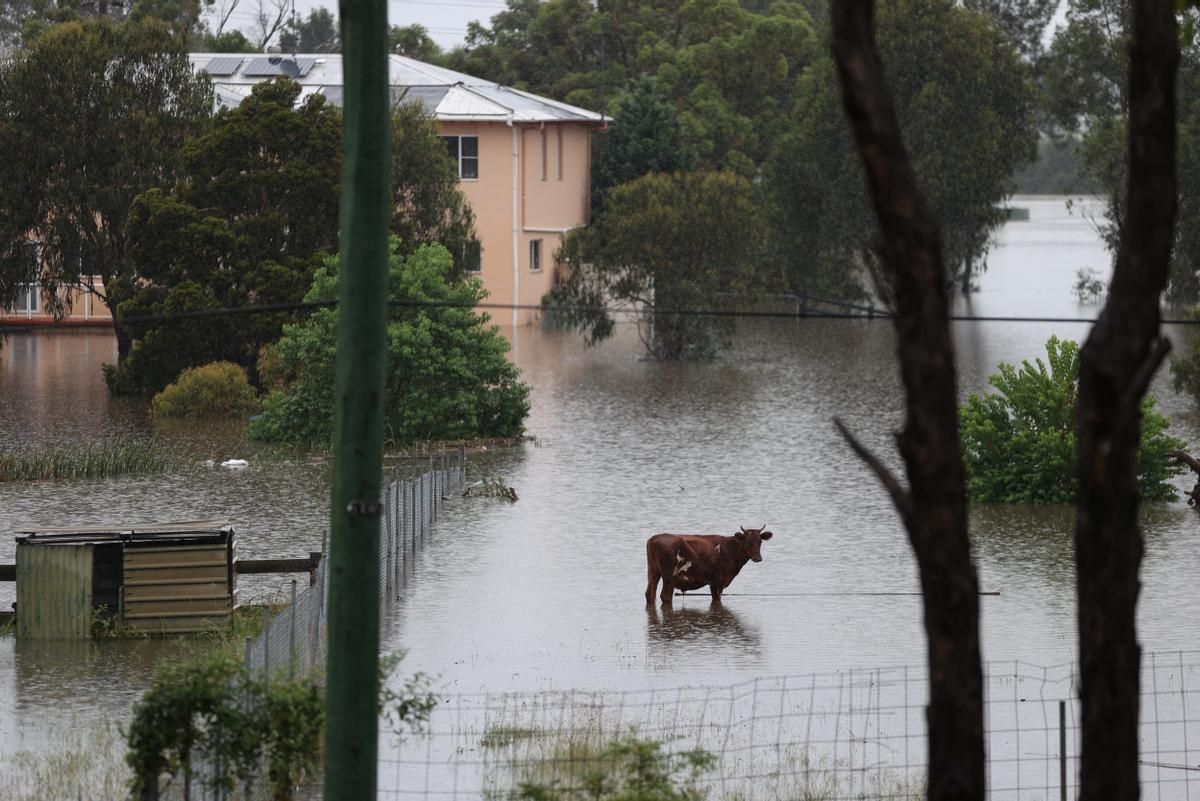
(1116, 365)
(934, 506)
(124, 340)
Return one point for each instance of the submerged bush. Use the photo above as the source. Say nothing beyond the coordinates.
(101, 460)
(1020, 446)
(447, 373)
(219, 389)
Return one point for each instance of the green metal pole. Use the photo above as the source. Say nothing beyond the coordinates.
(352, 685)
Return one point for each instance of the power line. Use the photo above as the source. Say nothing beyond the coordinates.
(858, 312)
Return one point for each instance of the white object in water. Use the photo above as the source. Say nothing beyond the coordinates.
(235, 463)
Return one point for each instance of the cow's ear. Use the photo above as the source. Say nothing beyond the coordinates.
(739, 534)
(766, 535)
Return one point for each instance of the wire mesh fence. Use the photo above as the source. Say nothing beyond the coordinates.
(293, 641)
(858, 734)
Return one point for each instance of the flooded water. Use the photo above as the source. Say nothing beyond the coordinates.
(547, 593)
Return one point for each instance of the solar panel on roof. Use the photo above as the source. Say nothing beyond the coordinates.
(223, 65)
(270, 67)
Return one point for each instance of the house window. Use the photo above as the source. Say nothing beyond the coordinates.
(472, 260)
(29, 295)
(535, 255)
(543, 154)
(464, 150)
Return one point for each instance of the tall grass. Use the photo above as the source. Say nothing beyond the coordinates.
(103, 460)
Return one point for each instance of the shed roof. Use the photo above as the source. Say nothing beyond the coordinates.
(446, 95)
(123, 531)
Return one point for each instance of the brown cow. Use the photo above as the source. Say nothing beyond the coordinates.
(689, 561)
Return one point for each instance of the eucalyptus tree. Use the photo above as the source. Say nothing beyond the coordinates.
(965, 103)
(93, 114)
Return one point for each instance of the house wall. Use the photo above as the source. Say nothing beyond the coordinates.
(87, 308)
(507, 221)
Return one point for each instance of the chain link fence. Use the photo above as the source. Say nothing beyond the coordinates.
(293, 641)
(858, 734)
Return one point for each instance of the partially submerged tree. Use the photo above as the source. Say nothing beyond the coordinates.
(447, 373)
(256, 214)
(91, 114)
(966, 104)
(666, 247)
(1020, 444)
(934, 505)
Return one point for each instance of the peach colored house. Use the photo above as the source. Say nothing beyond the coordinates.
(524, 161)
(524, 165)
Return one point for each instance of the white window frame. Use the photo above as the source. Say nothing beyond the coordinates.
(535, 255)
(454, 146)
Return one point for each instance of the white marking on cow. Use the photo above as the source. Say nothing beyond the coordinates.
(683, 568)
(718, 547)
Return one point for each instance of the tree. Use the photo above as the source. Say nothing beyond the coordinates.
(965, 103)
(447, 373)
(1121, 355)
(429, 206)
(1021, 445)
(256, 213)
(669, 245)
(1087, 88)
(318, 33)
(413, 41)
(646, 136)
(730, 73)
(91, 114)
(1023, 21)
(934, 505)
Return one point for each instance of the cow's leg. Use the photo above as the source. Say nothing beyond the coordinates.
(715, 589)
(652, 584)
(668, 590)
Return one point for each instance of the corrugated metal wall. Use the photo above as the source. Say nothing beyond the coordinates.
(176, 588)
(54, 591)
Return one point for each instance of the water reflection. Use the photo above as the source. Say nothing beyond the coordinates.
(676, 630)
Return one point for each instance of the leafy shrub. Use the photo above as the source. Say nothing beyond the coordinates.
(447, 374)
(220, 389)
(1019, 446)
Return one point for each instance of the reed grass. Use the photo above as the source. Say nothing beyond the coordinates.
(100, 460)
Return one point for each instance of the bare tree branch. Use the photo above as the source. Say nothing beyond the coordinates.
(269, 16)
(900, 496)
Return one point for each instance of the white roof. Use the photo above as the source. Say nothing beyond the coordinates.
(447, 95)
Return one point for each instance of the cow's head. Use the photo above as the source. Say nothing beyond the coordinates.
(752, 540)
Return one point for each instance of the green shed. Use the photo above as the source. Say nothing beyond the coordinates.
(157, 578)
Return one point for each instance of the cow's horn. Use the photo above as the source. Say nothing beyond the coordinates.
(743, 528)
(763, 527)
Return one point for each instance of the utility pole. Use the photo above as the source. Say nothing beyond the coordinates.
(352, 685)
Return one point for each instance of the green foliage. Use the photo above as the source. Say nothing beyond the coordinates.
(966, 107)
(447, 375)
(220, 389)
(316, 33)
(1185, 362)
(1020, 446)
(646, 136)
(214, 706)
(668, 245)
(628, 769)
(730, 73)
(255, 217)
(1086, 83)
(101, 460)
(93, 114)
(413, 41)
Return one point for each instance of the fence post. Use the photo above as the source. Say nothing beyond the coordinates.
(292, 633)
(1062, 749)
(432, 482)
(266, 638)
(462, 466)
